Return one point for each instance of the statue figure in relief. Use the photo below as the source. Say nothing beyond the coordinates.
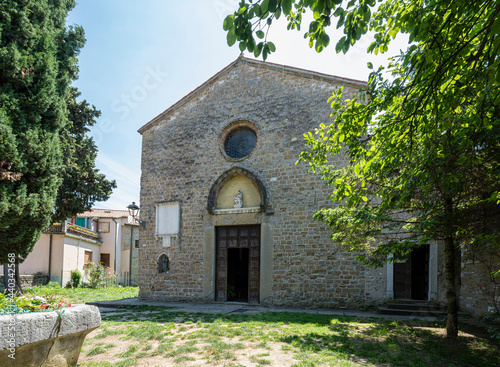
(238, 200)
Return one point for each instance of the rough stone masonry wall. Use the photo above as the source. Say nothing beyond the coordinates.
(28, 281)
(480, 293)
(181, 160)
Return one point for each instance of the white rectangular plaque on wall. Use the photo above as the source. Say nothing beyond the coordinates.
(167, 218)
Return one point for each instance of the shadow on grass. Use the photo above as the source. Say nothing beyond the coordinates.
(329, 338)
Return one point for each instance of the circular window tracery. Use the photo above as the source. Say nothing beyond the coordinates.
(240, 142)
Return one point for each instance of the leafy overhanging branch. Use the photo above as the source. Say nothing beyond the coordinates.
(423, 144)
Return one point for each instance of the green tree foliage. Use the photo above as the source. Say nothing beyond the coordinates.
(423, 143)
(46, 161)
(82, 184)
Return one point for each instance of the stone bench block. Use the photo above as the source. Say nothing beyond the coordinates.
(46, 339)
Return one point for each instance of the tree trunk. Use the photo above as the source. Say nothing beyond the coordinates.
(451, 293)
(11, 279)
(19, 289)
(5, 277)
(458, 274)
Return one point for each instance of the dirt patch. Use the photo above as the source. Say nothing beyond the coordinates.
(254, 343)
(229, 352)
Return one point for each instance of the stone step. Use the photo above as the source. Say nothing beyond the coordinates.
(439, 314)
(411, 312)
(408, 300)
(422, 306)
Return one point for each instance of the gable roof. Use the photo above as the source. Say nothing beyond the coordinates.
(241, 59)
(104, 213)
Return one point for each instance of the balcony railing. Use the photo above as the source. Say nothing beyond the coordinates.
(55, 229)
(73, 229)
(70, 227)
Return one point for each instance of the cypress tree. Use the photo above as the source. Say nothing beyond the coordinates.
(42, 126)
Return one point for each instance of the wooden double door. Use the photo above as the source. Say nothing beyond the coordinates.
(237, 264)
(411, 277)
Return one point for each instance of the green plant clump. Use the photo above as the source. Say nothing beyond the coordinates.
(493, 320)
(94, 272)
(76, 276)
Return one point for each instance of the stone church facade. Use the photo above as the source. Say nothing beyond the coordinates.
(228, 212)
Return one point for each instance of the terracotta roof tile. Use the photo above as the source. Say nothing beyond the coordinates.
(104, 213)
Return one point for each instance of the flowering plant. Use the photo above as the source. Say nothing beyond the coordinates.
(25, 304)
(83, 230)
(109, 277)
(94, 273)
(54, 306)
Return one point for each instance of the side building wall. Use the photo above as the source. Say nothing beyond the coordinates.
(74, 256)
(130, 236)
(109, 241)
(38, 260)
(480, 291)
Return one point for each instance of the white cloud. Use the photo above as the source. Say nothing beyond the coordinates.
(127, 180)
(119, 169)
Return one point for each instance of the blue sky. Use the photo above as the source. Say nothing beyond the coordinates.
(143, 56)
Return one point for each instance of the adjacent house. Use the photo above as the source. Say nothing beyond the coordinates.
(99, 235)
(228, 212)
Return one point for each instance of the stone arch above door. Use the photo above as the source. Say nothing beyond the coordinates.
(231, 180)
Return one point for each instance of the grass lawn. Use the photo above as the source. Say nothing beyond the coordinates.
(83, 295)
(156, 336)
(153, 336)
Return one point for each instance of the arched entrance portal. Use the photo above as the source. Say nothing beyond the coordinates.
(238, 235)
